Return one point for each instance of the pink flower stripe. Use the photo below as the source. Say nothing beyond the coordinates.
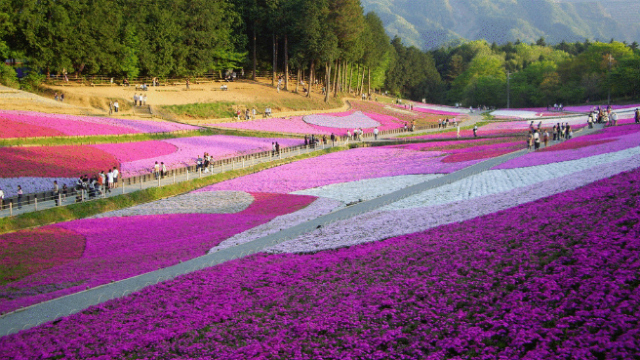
(118, 248)
(344, 166)
(53, 161)
(588, 108)
(128, 152)
(188, 150)
(84, 125)
(464, 151)
(607, 141)
(517, 284)
(432, 111)
(14, 129)
(297, 125)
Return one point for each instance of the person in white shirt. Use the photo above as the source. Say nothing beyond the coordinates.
(135, 99)
(375, 134)
(536, 140)
(116, 106)
(614, 118)
(109, 180)
(1, 199)
(116, 174)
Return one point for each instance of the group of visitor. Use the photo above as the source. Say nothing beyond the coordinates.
(557, 107)
(97, 185)
(443, 123)
(58, 97)
(637, 117)
(562, 132)
(314, 141)
(202, 163)
(159, 170)
(113, 107)
(536, 137)
(139, 100)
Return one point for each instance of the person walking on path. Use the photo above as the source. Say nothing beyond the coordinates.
(614, 118)
(109, 180)
(277, 148)
(273, 148)
(536, 140)
(110, 107)
(458, 131)
(116, 106)
(529, 141)
(156, 170)
(545, 138)
(164, 169)
(187, 83)
(20, 197)
(1, 199)
(375, 133)
(116, 175)
(101, 179)
(333, 139)
(475, 131)
(56, 192)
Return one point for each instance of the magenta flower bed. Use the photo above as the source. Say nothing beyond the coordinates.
(464, 151)
(82, 125)
(588, 108)
(344, 166)
(297, 124)
(187, 151)
(606, 141)
(128, 152)
(118, 248)
(13, 129)
(432, 111)
(554, 279)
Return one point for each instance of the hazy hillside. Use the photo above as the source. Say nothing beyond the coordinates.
(429, 23)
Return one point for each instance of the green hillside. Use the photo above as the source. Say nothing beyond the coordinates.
(431, 23)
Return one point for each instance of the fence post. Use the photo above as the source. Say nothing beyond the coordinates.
(11, 208)
(158, 180)
(59, 199)
(243, 163)
(123, 186)
(82, 195)
(187, 174)
(200, 173)
(35, 199)
(174, 177)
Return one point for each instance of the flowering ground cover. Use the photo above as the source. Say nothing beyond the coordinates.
(121, 247)
(434, 112)
(187, 151)
(35, 168)
(608, 140)
(79, 125)
(399, 113)
(465, 150)
(588, 108)
(31, 251)
(344, 166)
(556, 278)
(321, 124)
(14, 129)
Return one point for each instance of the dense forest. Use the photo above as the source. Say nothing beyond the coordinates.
(330, 41)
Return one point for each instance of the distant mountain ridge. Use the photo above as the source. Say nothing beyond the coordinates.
(432, 23)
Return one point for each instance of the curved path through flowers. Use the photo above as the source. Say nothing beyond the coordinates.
(51, 310)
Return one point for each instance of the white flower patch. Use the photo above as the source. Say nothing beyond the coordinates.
(320, 207)
(213, 202)
(498, 181)
(364, 190)
(33, 184)
(380, 225)
(355, 120)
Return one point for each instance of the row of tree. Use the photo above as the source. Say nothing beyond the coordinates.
(329, 42)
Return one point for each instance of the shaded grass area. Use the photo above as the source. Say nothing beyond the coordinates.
(227, 109)
(83, 210)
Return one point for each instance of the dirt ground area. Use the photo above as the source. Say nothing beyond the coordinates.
(98, 97)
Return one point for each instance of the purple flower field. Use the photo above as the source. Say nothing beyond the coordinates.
(616, 139)
(122, 247)
(181, 152)
(344, 166)
(60, 125)
(321, 124)
(553, 279)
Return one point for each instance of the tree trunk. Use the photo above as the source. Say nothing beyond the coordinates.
(350, 76)
(344, 76)
(362, 81)
(255, 56)
(298, 79)
(274, 73)
(310, 79)
(286, 64)
(327, 88)
(336, 79)
(369, 91)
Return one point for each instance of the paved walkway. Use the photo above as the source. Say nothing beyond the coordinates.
(48, 311)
